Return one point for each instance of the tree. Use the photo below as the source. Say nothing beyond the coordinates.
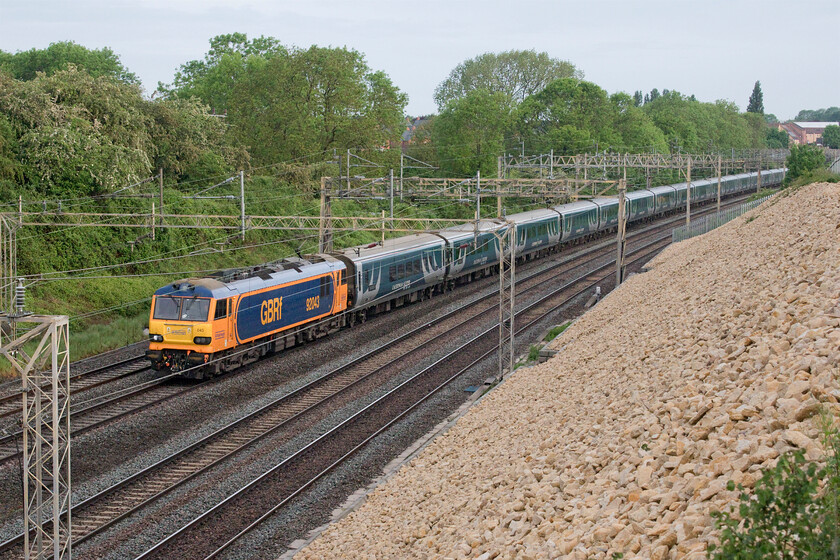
(654, 94)
(804, 159)
(638, 100)
(517, 74)
(73, 134)
(637, 131)
(777, 138)
(301, 102)
(569, 116)
(832, 114)
(693, 126)
(25, 65)
(756, 103)
(469, 133)
(831, 136)
(212, 80)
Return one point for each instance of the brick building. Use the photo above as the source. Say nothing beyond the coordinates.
(805, 132)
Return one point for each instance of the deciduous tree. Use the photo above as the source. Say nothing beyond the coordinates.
(304, 102)
(517, 74)
(469, 133)
(831, 136)
(102, 62)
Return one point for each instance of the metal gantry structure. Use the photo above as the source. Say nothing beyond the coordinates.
(45, 377)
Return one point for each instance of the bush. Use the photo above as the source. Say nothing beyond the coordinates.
(803, 159)
(793, 513)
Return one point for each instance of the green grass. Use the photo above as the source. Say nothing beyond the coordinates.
(555, 332)
(761, 194)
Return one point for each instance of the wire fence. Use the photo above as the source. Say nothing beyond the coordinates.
(708, 223)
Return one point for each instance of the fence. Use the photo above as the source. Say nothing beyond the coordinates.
(707, 224)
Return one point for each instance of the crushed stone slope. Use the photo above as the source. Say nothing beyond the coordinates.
(703, 370)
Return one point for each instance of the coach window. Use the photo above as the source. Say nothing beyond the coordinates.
(392, 273)
(221, 309)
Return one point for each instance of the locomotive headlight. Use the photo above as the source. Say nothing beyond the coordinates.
(156, 337)
(202, 340)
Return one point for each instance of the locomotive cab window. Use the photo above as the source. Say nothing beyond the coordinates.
(325, 286)
(221, 309)
(167, 308)
(194, 309)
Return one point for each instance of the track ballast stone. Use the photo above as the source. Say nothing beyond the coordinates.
(703, 370)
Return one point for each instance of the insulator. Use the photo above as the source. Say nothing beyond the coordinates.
(20, 296)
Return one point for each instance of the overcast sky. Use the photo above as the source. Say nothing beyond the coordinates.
(715, 49)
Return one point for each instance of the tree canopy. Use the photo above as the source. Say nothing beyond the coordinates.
(756, 102)
(777, 138)
(823, 115)
(300, 102)
(517, 74)
(470, 132)
(25, 65)
(831, 136)
(212, 80)
(73, 133)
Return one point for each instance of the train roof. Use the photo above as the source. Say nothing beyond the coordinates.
(636, 195)
(575, 207)
(604, 201)
(464, 231)
(532, 216)
(665, 189)
(414, 241)
(235, 282)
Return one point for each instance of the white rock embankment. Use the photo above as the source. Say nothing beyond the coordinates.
(701, 371)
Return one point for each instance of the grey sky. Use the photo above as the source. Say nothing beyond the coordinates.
(714, 49)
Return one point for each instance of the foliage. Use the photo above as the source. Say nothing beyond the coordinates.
(469, 133)
(573, 116)
(756, 102)
(637, 130)
(569, 116)
(824, 115)
(309, 101)
(212, 80)
(71, 134)
(517, 74)
(776, 138)
(103, 62)
(787, 517)
(556, 331)
(821, 175)
(831, 136)
(803, 159)
(692, 126)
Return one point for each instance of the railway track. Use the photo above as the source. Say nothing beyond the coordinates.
(132, 494)
(79, 383)
(114, 504)
(99, 411)
(218, 528)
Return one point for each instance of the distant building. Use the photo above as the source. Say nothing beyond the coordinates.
(805, 132)
(411, 125)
